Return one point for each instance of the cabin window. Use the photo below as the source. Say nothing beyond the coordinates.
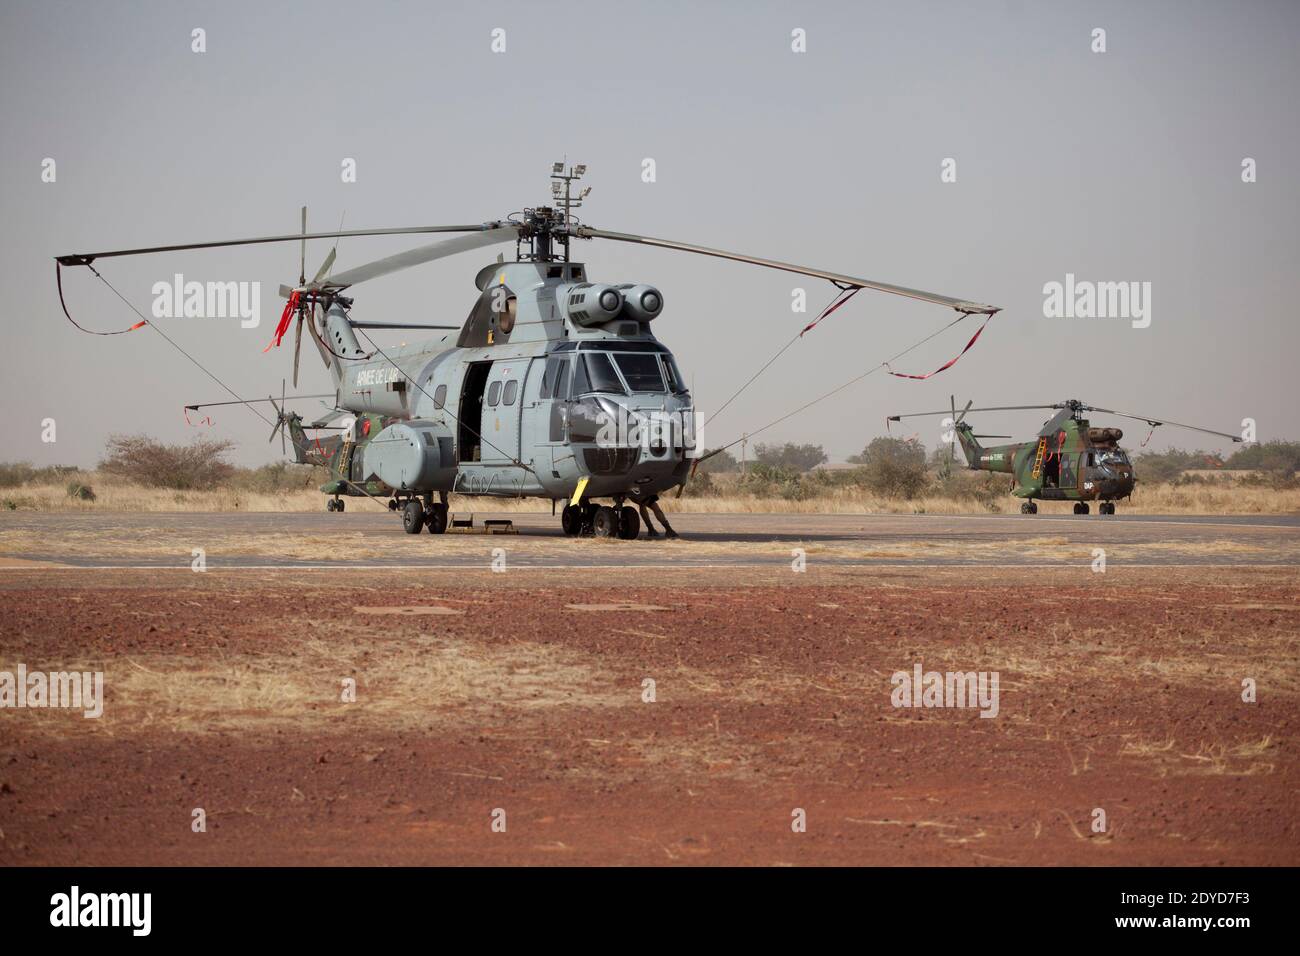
(494, 393)
(511, 390)
(641, 372)
(440, 396)
(600, 374)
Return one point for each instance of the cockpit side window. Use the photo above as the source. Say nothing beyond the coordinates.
(675, 383)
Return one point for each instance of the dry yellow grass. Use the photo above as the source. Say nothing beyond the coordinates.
(1219, 498)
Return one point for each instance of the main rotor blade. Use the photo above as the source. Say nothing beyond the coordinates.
(302, 261)
(81, 259)
(297, 348)
(419, 256)
(961, 305)
(394, 325)
(252, 401)
(967, 409)
(324, 269)
(1164, 421)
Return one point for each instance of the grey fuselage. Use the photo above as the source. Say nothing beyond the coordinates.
(515, 403)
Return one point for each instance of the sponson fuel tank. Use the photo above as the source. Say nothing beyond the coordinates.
(418, 454)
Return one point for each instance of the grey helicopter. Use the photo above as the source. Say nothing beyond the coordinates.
(555, 385)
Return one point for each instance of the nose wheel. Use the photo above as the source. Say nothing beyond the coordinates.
(413, 517)
(436, 519)
(571, 520)
(602, 521)
(1106, 508)
(1081, 507)
(1029, 508)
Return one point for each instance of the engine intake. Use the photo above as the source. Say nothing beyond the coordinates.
(641, 302)
(588, 304)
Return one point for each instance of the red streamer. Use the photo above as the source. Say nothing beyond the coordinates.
(840, 299)
(947, 365)
(285, 318)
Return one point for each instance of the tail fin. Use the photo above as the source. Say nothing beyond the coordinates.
(970, 446)
(336, 341)
(301, 443)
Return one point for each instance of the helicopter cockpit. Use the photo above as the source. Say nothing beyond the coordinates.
(626, 372)
(615, 368)
(1110, 457)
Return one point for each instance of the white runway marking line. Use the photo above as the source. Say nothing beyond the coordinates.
(1127, 519)
(775, 563)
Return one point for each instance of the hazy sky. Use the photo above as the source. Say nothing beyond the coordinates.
(1117, 166)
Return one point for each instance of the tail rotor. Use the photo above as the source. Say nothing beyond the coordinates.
(305, 305)
(281, 418)
(956, 419)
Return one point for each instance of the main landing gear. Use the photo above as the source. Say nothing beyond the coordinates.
(418, 515)
(1080, 508)
(602, 521)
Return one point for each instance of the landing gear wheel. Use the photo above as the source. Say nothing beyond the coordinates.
(1107, 508)
(630, 524)
(1029, 508)
(571, 520)
(339, 505)
(1081, 507)
(437, 519)
(605, 524)
(329, 504)
(413, 517)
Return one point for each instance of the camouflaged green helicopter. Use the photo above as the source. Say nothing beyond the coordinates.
(342, 455)
(1069, 460)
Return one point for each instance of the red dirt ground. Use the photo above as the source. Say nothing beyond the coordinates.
(223, 693)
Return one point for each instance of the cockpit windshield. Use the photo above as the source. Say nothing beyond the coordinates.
(600, 374)
(1113, 456)
(641, 371)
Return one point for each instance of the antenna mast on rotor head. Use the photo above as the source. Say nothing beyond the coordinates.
(562, 189)
(549, 226)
